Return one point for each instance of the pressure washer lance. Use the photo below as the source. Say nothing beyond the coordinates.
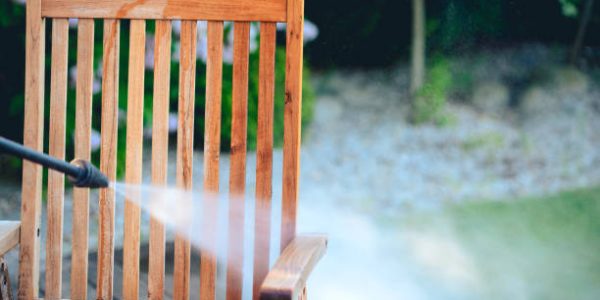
(81, 173)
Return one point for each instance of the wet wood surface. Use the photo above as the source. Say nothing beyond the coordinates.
(264, 154)
(33, 137)
(185, 148)
(237, 173)
(133, 159)
(292, 119)
(212, 144)
(56, 180)
(160, 155)
(83, 130)
(108, 157)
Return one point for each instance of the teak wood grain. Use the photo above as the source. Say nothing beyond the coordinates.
(33, 136)
(212, 142)
(83, 128)
(287, 279)
(9, 235)
(56, 180)
(264, 154)
(185, 144)
(217, 10)
(292, 119)
(237, 177)
(108, 158)
(160, 155)
(133, 159)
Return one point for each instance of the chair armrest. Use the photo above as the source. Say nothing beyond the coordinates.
(9, 235)
(288, 277)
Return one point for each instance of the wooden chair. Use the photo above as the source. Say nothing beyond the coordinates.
(286, 280)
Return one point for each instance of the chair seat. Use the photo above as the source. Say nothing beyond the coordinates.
(9, 235)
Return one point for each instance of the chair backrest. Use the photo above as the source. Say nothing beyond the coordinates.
(241, 12)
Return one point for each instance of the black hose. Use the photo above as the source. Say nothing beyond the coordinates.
(14, 149)
(81, 173)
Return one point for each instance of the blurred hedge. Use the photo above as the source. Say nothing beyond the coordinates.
(358, 32)
(377, 33)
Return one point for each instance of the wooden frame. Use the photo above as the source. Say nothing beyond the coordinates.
(300, 254)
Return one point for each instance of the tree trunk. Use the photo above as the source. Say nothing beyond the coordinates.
(418, 47)
(585, 20)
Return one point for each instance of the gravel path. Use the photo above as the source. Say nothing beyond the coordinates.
(361, 149)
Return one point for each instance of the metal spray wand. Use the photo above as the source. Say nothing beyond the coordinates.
(80, 172)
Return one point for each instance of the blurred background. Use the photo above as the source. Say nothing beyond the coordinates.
(451, 148)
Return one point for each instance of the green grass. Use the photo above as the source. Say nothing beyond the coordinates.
(532, 248)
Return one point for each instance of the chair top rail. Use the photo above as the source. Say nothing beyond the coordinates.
(231, 10)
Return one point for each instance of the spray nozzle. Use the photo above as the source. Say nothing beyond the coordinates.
(89, 176)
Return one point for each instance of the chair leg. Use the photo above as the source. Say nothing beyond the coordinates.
(5, 290)
(302, 295)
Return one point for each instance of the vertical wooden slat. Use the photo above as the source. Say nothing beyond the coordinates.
(185, 144)
(292, 119)
(133, 160)
(160, 148)
(212, 142)
(108, 157)
(264, 154)
(237, 179)
(33, 132)
(56, 180)
(83, 128)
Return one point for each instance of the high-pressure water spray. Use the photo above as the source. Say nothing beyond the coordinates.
(80, 172)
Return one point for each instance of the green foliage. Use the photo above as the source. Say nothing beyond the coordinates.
(463, 81)
(569, 8)
(463, 21)
(378, 33)
(359, 33)
(11, 14)
(430, 101)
